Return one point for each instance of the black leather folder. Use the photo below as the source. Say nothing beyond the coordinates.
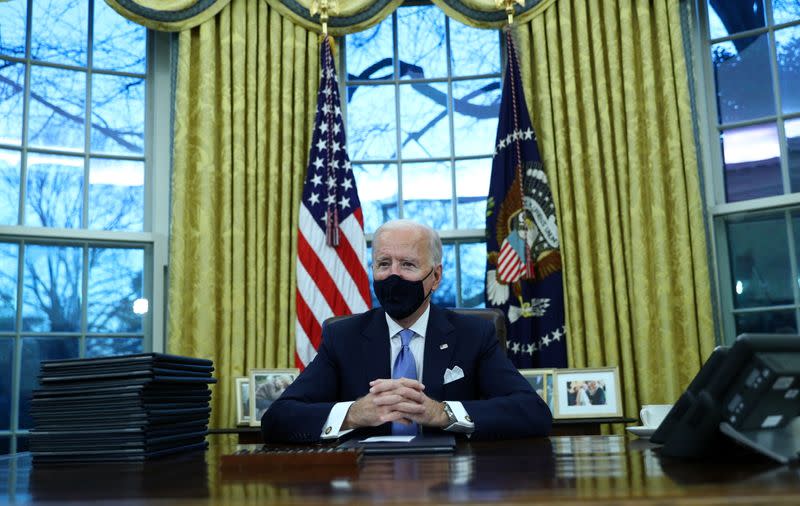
(128, 455)
(420, 444)
(139, 358)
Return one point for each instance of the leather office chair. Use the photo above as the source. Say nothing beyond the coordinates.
(493, 314)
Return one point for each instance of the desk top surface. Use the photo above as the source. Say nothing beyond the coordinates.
(564, 470)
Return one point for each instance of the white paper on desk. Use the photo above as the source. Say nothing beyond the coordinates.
(388, 439)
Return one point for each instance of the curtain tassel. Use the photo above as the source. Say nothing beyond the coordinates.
(332, 227)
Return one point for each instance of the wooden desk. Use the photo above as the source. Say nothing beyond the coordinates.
(574, 427)
(600, 470)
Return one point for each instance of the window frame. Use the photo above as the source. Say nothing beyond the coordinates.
(718, 211)
(153, 240)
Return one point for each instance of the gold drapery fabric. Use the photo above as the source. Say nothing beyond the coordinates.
(244, 108)
(168, 15)
(607, 84)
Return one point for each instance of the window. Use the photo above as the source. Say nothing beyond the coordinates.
(79, 236)
(423, 93)
(750, 54)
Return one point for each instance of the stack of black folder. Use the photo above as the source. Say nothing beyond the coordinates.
(124, 408)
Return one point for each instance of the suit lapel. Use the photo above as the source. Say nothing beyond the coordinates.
(439, 347)
(376, 349)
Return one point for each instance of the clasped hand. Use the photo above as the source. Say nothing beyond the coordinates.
(395, 400)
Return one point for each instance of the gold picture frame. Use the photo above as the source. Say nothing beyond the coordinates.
(266, 386)
(587, 393)
(243, 401)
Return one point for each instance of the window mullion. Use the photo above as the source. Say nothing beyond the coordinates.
(713, 149)
(87, 124)
(451, 111)
(793, 265)
(724, 283)
(26, 99)
(16, 369)
(85, 302)
(776, 94)
(397, 122)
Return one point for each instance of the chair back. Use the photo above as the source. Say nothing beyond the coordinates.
(492, 314)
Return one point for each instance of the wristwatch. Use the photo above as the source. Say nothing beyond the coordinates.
(451, 417)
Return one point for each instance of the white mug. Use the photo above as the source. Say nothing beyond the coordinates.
(653, 414)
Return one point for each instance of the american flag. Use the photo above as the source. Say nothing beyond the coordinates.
(523, 267)
(331, 249)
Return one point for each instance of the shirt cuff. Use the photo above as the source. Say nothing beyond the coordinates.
(463, 424)
(333, 425)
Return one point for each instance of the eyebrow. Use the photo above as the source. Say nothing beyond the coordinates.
(402, 259)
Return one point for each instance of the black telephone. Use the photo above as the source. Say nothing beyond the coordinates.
(749, 392)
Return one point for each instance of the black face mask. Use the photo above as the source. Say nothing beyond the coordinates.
(400, 297)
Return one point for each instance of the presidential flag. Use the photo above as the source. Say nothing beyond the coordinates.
(331, 249)
(523, 269)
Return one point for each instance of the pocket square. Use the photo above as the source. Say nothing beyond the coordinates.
(451, 375)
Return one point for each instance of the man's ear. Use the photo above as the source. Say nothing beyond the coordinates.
(437, 276)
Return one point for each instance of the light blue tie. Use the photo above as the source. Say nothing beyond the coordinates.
(405, 367)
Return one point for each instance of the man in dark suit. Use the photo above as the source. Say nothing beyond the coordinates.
(596, 392)
(366, 375)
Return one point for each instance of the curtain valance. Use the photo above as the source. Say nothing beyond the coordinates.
(357, 15)
(352, 16)
(485, 14)
(168, 15)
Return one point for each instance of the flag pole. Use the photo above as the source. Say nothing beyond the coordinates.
(324, 8)
(509, 8)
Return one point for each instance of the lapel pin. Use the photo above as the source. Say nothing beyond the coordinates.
(443, 346)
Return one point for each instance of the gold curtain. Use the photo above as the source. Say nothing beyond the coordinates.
(607, 84)
(245, 100)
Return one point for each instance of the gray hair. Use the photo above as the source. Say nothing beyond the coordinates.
(434, 241)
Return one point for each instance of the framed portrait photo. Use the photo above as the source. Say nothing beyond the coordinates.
(267, 385)
(542, 382)
(243, 401)
(587, 393)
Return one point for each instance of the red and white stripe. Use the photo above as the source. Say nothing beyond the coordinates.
(509, 265)
(331, 281)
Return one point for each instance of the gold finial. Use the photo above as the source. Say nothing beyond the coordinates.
(324, 8)
(509, 7)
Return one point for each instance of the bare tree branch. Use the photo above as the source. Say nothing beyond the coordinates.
(109, 132)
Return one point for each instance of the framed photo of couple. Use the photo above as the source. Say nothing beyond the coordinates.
(586, 393)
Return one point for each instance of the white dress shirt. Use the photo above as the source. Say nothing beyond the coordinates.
(332, 427)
